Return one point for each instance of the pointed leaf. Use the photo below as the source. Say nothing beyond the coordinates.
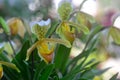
(8, 72)
(21, 64)
(52, 29)
(114, 77)
(11, 65)
(61, 57)
(1, 50)
(39, 69)
(46, 72)
(4, 25)
(91, 73)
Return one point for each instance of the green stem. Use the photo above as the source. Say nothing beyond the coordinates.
(52, 30)
(32, 72)
(81, 5)
(76, 11)
(11, 45)
(9, 40)
(72, 14)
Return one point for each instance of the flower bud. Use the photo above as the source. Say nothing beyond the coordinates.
(16, 27)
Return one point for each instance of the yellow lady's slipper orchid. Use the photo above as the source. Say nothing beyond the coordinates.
(66, 29)
(44, 45)
(16, 27)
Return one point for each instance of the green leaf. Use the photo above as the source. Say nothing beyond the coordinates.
(21, 64)
(39, 69)
(91, 73)
(3, 57)
(52, 29)
(114, 77)
(4, 25)
(89, 62)
(85, 53)
(11, 74)
(72, 74)
(1, 50)
(64, 10)
(79, 27)
(61, 57)
(81, 67)
(114, 33)
(8, 72)
(11, 65)
(46, 72)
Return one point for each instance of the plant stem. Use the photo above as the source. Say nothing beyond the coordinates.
(9, 40)
(52, 29)
(76, 11)
(82, 4)
(32, 72)
(72, 14)
(11, 45)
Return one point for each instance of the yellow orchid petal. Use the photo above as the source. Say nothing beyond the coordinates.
(65, 27)
(1, 71)
(45, 48)
(69, 36)
(59, 41)
(11, 65)
(66, 32)
(29, 51)
(79, 27)
(45, 52)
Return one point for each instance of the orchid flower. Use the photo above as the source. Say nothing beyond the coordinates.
(66, 29)
(45, 46)
(65, 32)
(16, 26)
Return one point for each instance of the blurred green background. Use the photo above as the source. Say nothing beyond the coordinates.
(105, 12)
